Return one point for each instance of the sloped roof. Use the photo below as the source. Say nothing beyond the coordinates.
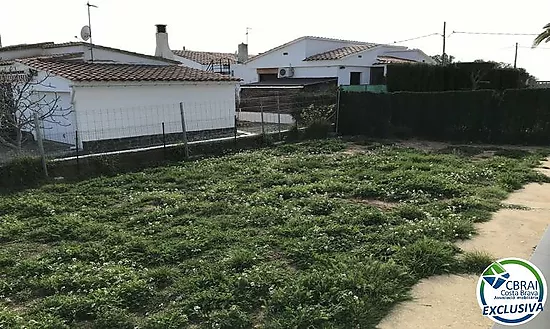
(206, 57)
(86, 71)
(122, 51)
(309, 38)
(26, 46)
(50, 45)
(386, 59)
(340, 53)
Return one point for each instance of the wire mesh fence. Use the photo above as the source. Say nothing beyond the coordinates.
(110, 130)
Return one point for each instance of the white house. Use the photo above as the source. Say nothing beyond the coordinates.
(202, 60)
(309, 59)
(350, 62)
(113, 101)
(100, 54)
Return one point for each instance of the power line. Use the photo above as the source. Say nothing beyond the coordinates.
(415, 38)
(495, 33)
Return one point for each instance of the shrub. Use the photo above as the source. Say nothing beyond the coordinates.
(21, 172)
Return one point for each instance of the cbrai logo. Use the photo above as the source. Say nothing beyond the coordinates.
(511, 291)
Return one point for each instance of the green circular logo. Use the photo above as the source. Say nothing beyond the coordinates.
(511, 291)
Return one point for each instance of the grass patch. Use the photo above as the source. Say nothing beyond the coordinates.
(297, 236)
(475, 262)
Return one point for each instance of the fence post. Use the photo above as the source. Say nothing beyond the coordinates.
(164, 140)
(235, 131)
(77, 153)
(337, 110)
(184, 130)
(279, 116)
(40, 144)
(262, 116)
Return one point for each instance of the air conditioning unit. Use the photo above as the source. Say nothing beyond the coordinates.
(286, 72)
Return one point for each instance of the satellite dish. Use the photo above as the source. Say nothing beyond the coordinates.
(85, 33)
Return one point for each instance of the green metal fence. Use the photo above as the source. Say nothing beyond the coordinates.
(366, 88)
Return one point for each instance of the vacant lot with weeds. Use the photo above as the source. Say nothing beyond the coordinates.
(315, 235)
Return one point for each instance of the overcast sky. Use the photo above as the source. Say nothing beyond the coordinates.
(215, 25)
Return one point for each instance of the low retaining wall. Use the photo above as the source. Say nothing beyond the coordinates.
(268, 117)
(108, 145)
(27, 172)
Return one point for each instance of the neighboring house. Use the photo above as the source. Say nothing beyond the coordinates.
(100, 53)
(207, 61)
(348, 62)
(203, 60)
(125, 102)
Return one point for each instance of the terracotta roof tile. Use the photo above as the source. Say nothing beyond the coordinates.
(205, 57)
(309, 38)
(386, 59)
(86, 71)
(340, 53)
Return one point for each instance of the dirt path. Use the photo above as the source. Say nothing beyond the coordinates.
(449, 302)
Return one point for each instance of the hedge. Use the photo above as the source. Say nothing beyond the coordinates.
(427, 78)
(516, 116)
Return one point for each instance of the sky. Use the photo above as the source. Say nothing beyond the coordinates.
(215, 25)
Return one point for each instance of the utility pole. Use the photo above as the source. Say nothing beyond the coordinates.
(90, 26)
(516, 56)
(444, 39)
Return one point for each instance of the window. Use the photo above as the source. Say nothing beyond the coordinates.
(285, 54)
(355, 78)
(377, 76)
(268, 76)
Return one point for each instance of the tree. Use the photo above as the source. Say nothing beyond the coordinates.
(544, 36)
(448, 59)
(24, 94)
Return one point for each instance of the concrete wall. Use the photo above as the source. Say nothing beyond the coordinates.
(106, 111)
(268, 117)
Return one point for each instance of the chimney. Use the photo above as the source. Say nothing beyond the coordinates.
(242, 54)
(163, 49)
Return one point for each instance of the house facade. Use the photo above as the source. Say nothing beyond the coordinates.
(348, 62)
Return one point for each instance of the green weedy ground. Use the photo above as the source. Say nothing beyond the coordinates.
(280, 238)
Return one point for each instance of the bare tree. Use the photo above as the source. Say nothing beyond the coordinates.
(23, 95)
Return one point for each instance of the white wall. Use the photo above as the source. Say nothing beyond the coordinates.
(314, 47)
(60, 127)
(296, 54)
(13, 54)
(413, 54)
(105, 111)
(188, 62)
(246, 72)
(344, 74)
(315, 72)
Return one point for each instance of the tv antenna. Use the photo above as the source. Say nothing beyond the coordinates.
(90, 30)
(247, 29)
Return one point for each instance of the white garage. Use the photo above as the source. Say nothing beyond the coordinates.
(117, 102)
